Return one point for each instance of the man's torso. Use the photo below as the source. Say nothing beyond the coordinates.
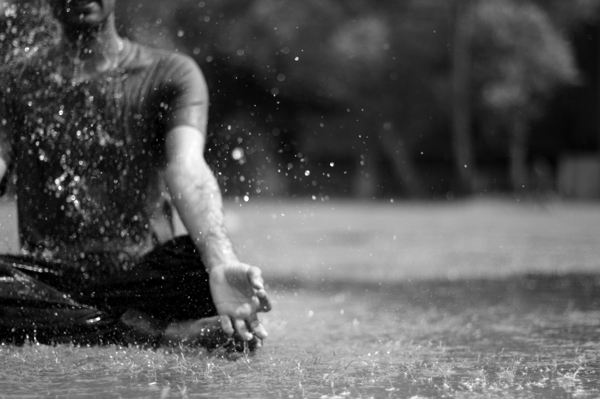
(88, 155)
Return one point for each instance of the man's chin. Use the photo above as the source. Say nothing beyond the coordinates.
(84, 18)
(83, 24)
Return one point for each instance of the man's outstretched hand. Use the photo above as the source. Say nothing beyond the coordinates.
(239, 294)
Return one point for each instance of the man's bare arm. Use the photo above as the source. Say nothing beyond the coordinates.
(237, 289)
(196, 195)
(2, 168)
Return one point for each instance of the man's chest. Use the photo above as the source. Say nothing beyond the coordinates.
(102, 117)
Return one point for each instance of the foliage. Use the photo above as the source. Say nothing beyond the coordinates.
(298, 85)
(570, 14)
(521, 56)
(316, 82)
(521, 60)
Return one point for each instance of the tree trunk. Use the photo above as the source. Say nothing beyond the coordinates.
(461, 99)
(598, 94)
(366, 178)
(518, 155)
(404, 169)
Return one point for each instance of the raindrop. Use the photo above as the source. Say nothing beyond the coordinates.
(237, 153)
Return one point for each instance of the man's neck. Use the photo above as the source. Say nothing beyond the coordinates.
(95, 49)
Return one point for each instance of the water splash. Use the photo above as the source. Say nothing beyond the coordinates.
(25, 27)
(71, 135)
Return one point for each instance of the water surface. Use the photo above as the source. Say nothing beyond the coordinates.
(529, 336)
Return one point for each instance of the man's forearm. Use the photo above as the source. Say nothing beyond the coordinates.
(3, 169)
(198, 200)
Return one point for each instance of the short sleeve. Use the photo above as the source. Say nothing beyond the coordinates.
(187, 94)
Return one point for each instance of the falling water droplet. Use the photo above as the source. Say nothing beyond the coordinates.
(237, 153)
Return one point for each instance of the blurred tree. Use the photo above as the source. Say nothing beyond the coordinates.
(521, 58)
(357, 79)
(464, 157)
(569, 14)
(375, 81)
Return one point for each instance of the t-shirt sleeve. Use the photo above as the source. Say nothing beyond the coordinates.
(187, 94)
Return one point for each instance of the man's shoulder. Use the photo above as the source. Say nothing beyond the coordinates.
(146, 56)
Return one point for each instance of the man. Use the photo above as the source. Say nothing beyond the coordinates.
(105, 138)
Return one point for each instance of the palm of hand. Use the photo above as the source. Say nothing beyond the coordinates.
(238, 293)
(233, 292)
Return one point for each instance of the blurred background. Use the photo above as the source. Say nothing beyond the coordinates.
(426, 99)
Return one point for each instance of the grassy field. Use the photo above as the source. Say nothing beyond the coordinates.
(469, 299)
(383, 242)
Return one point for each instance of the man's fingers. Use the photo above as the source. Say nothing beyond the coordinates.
(255, 277)
(226, 325)
(258, 329)
(264, 302)
(257, 342)
(242, 330)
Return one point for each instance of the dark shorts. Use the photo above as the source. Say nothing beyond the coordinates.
(54, 302)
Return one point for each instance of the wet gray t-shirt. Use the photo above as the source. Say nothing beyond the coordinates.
(88, 157)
